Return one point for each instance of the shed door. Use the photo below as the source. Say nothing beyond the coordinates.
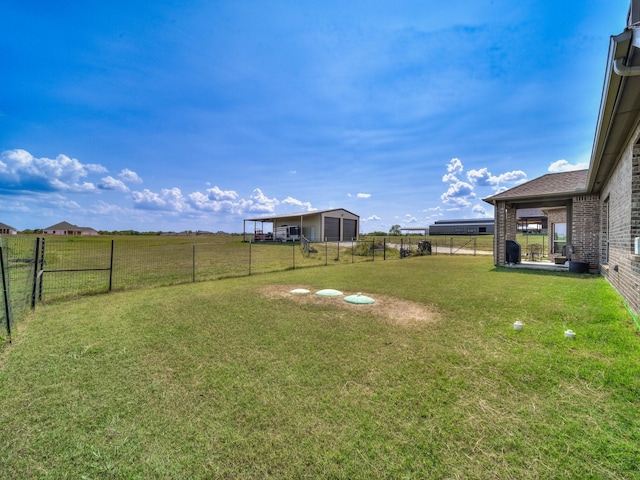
(332, 229)
(350, 229)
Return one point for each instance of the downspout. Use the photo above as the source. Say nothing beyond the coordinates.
(622, 70)
(619, 66)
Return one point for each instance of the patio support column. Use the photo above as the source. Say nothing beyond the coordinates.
(505, 229)
(499, 247)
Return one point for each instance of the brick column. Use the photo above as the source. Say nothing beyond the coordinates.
(499, 247)
(585, 229)
(505, 229)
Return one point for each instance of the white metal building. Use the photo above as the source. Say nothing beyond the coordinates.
(323, 225)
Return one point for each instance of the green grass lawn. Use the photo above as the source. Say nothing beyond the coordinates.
(238, 378)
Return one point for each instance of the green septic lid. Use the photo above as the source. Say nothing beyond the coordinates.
(329, 292)
(299, 290)
(359, 298)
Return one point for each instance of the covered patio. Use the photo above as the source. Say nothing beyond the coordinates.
(571, 215)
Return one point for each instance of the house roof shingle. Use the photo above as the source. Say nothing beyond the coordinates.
(4, 226)
(549, 185)
(63, 226)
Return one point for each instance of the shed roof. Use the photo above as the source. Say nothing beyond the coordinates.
(550, 186)
(299, 214)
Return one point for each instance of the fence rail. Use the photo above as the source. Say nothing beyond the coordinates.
(50, 268)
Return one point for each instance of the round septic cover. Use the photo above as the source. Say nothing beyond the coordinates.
(299, 290)
(329, 292)
(359, 298)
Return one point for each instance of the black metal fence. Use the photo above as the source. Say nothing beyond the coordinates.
(36, 269)
(40, 269)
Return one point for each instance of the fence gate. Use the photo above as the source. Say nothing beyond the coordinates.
(17, 279)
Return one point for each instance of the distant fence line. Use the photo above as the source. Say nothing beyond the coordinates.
(49, 268)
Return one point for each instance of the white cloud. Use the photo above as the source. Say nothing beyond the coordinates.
(372, 218)
(457, 202)
(130, 176)
(455, 166)
(169, 199)
(216, 193)
(484, 178)
(201, 202)
(305, 206)
(481, 177)
(20, 170)
(261, 203)
(480, 211)
(457, 190)
(103, 208)
(110, 183)
(364, 195)
(565, 166)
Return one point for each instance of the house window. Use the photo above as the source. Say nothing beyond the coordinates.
(559, 237)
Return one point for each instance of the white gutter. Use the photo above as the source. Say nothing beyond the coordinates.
(622, 70)
(619, 63)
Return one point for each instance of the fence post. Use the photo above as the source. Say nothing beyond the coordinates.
(5, 292)
(293, 247)
(250, 242)
(35, 273)
(401, 248)
(111, 267)
(326, 251)
(474, 246)
(41, 267)
(450, 245)
(193, 261)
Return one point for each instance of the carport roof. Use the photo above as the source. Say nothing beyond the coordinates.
(552, 186)
(299, 214)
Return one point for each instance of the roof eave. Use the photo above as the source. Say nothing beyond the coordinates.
(610, 109)
(537, 199)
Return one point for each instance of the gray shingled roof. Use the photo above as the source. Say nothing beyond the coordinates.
(6, 227)
(549, 185)
(63, 226)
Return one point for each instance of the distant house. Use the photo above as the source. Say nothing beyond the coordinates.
(88, 231)
(324, 225)
(7, 229)
(68, 229)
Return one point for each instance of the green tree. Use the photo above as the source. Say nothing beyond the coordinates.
(395, 230)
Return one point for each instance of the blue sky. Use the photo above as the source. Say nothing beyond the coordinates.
(194, 115)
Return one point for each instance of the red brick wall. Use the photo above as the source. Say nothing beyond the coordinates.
(621, 226)
(585, 230)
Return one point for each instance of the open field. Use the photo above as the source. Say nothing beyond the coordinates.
(242, 379)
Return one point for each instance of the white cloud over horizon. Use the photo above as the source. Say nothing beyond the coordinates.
(564, 166)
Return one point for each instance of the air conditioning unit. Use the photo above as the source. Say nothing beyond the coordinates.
(636, 246)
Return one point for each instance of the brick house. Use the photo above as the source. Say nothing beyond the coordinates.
(68, 229)
(599, 207)
(7, 229)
